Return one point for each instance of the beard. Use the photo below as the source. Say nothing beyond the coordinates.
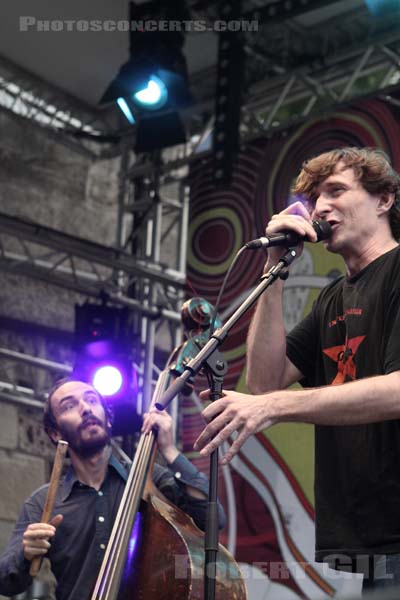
(85, 447)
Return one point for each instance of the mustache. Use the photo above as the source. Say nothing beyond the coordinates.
(91, 419)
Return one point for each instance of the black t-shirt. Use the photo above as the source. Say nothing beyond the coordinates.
(352, 332)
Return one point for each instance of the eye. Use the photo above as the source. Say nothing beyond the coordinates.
(337, 190)
(92, 399)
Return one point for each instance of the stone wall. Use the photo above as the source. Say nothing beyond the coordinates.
(46, 182)
(26, 455)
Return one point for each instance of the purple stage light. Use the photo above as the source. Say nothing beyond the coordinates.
(107, 380)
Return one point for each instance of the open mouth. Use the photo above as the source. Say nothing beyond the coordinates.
(334, 225)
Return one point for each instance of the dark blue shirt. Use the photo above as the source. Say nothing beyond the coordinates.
(78, 546)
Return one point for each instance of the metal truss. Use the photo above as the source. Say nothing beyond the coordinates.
(84, 267)
(91, 269)
(22, 395)
(136, 272)
(17, 394)
(301, 65)
(148, 216)
(292, 88)
(311, 92)
(76, 125)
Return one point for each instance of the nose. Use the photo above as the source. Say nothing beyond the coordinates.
(86, 408)
(322, 208)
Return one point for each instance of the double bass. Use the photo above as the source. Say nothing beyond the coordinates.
(155, 551)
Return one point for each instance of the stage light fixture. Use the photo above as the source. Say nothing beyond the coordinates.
(107, 379)
(154, 95)
(103, 344)
(122, 103)
(152, 86)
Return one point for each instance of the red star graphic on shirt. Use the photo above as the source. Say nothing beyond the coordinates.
(344, 356)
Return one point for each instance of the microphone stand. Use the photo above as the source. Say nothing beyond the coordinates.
(211, 360)
(215, 368)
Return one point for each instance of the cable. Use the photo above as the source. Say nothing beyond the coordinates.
(221, 291)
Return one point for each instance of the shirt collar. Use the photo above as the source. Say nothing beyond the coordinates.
(70, 477)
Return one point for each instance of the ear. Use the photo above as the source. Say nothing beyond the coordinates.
(385, 203)
(54, 435)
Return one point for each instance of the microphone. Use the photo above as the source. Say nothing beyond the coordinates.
(290, 238)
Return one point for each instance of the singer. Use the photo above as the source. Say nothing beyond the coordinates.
(345, 354)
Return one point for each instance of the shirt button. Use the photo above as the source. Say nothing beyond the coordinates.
(100, 493)
(102, 546)
(101, 519)
(178, 475)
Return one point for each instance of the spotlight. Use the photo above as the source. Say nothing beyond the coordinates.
(154, 96)
(152, 86)
(107, 380)
(103, 343)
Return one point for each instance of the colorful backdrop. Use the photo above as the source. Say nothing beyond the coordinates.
(268, 489)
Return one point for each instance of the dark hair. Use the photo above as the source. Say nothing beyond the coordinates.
(371, 167)
(49, 420)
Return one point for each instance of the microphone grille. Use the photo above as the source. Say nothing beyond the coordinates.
(323, 230)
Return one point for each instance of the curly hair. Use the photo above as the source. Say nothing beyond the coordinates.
(371, 167)
(49, 420)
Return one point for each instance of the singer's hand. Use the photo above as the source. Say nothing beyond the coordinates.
(243, 413)
(294, 218)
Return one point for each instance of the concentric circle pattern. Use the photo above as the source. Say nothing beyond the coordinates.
(221, 221)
